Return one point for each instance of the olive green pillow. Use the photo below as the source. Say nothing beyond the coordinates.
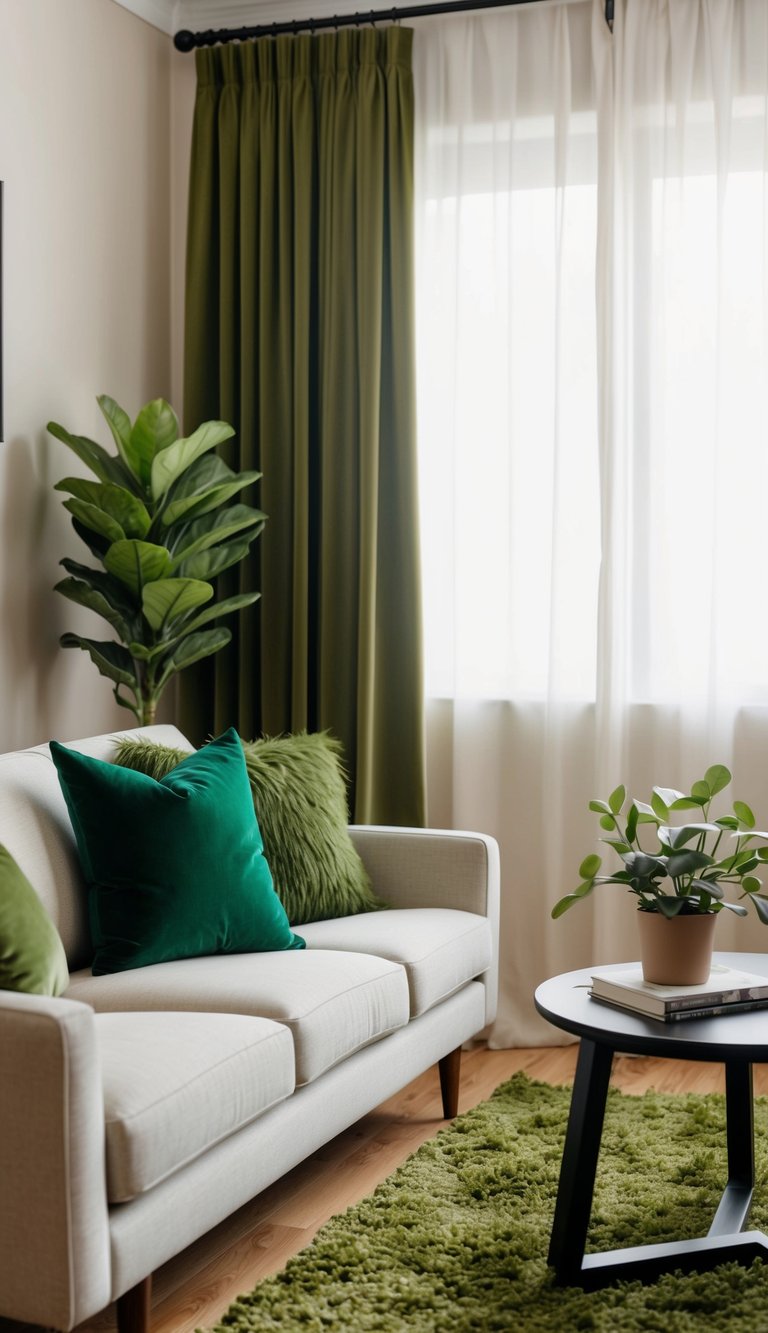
(175, 867)
(300, 801)
(32, 955)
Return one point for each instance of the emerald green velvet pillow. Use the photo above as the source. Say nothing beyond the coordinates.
(32, 955)
(175, 867)
(300, 802)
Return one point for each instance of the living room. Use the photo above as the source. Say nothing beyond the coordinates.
(587, 380)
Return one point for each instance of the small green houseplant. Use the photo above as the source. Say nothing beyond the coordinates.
(162, 520)
(692, 865)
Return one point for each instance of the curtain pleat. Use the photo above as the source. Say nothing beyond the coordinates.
(299, 331)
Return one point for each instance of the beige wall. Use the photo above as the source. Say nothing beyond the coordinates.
(85, 134)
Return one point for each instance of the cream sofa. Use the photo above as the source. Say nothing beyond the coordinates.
(141, 1108)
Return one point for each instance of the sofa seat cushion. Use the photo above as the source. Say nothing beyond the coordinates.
(441, 949)
(177, 1083)
(333, 1003)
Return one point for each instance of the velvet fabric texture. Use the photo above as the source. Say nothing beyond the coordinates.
(300, 804)
(300, 332)
(176, 867)
(32, 955)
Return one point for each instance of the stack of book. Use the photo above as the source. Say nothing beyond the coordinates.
(727, 991)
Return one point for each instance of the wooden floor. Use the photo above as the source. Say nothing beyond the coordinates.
(194, 1289)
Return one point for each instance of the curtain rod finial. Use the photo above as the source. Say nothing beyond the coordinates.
(184, 40)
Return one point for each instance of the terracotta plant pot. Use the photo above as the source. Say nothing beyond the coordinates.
(676, 951)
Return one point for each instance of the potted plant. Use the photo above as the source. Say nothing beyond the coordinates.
(162, 521)
(681, 881)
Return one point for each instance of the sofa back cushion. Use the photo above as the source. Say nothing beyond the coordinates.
(36, 829)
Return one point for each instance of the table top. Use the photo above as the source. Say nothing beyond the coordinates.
(566, 1003)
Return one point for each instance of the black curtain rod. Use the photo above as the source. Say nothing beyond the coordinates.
(187, 41)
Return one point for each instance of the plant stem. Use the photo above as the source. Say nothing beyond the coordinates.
(148, 712)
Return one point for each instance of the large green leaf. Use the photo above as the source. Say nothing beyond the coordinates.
(679, 836)
(717, 777)
(79, 592)
(122, 505)
(167, 599)
(94, 456)
(168, 465)
(120, 425)
(760, 903)
(155, 429)
(669, 795)
(571, 898)
(136, 563)
(668, 905)
(687, 862)
(225, 608)
(229, 605)
(646, 814)
(617, 799)
(744, 813)
(111, 658)
(659, 805)
(208, 484)
(94, 518)
(192, 649)
(214, 529)
(110, 588)
(590, 866)
(96, 543)
(207, 564)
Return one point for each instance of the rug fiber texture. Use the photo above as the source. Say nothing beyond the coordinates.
(456, 1239)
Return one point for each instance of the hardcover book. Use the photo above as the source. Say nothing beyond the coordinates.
(725, 989)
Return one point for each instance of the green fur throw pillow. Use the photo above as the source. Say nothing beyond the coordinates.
(300, 801)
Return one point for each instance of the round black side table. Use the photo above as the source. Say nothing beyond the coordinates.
(737, 1040)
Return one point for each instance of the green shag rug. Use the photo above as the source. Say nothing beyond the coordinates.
(456, 1240)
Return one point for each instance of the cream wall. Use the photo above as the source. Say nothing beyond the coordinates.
(85, 117)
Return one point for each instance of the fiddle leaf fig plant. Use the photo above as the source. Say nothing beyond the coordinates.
(691, 865)
(161, 520)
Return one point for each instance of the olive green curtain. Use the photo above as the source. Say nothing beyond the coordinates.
(299, 331)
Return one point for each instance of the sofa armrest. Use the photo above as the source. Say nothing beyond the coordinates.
(54, 1235)
(412, 867)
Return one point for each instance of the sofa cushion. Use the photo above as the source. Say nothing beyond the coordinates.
(441, 949)
(175, 1084)
(299, 796)
(175, 868)
(333, 1003)
(32, 955)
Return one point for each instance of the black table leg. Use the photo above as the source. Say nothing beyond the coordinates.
(733, 1210)
(577, 1173)
(726, 1241)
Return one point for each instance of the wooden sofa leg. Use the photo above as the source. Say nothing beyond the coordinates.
(450, 1070)
(133, 1308)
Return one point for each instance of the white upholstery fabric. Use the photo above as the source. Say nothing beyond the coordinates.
(436, 868)
(158, 1224)
(54, 1237)
(175, 1084)
(440, 949)
(333, 1002)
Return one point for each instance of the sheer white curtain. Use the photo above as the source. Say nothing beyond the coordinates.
(592, 323)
